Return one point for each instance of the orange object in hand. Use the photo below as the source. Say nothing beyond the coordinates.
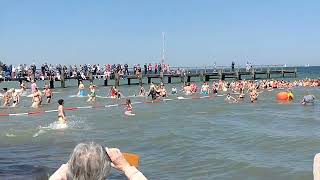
(133, 159)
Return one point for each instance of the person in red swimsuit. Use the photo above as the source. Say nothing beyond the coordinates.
(128, 105)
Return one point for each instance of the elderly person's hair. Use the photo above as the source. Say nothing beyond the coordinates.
(89, 161)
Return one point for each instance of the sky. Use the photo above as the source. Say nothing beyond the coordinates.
(197, 32)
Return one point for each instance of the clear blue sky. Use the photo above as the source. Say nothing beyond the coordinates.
(198, 32)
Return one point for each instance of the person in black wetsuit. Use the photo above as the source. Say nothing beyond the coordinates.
(153, 94)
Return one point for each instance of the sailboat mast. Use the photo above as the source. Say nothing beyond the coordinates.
(163, 47)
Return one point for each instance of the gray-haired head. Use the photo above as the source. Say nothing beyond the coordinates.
(89, 161)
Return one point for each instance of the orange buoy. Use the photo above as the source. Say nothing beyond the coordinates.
(282, 96)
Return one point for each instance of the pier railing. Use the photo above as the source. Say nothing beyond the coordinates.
(187, 70)
(255, 68)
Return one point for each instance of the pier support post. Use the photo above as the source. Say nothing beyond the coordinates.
(201, 76)
(140, 79)
(238, 77)
(105, 82)
(253, 74)
(189, 79)
(51, 82)
(220, 74)
(116, 79)
(182, 75)
(161, 76)
(62, 79)
(90, 77)
(129, 81)
(207, 78)
(32, 77)
(149, 80)
(169, 79)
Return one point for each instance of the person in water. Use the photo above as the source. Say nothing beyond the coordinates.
(142, 91)
(48, 93)
(205, 89)
(33, 86)
(290, 95)
(187, 89)
(128, 106)
(61, 114)
(92, 95)
(316, 167)
(173, 90)
(15, 97)
(22, 88)
(194, 88)
(308, 99)
(91, 161)
(253, 96)
(153, 93)
(114, 92)
(242, 94)
(231, 99)
(6, 97)
(119, 94)
(214, 89)
(162, 91)
(36, 98)
(81, 89)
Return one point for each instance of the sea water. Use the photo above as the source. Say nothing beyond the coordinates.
(180, 138)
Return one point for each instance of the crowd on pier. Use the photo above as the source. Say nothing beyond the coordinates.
(82, 70)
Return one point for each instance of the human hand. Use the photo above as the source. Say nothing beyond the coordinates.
(117, 158)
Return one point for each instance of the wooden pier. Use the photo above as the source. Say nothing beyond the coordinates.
(187, 74)
(218, 74)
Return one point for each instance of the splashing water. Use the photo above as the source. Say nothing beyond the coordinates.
(72, 123)
(10, 135)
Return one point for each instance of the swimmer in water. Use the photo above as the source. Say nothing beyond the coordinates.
(231, 99)
(205, 89)
(153, 93)
(242, 94)
(33, 86)
(119, 94)
(81, 89)
(6, 97)
(253, 96)
(128, 106)
(113, 92)
(187, 89)
(214, 89)
(92, 95)
(290, 95)
(194, 88)
(142, 91)
(162, 91)
(48, 93)
(151, 86)
(15, 98)
(61, 114)
(36, 98)
(173, 90)
(22, 88)
(308, 99)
